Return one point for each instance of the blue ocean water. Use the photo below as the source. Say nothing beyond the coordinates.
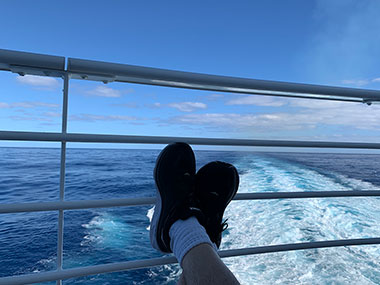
(28, 240)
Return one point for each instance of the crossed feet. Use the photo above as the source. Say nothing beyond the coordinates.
(182, 193)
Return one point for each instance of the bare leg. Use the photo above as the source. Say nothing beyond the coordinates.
(181, 280)
(202, 265)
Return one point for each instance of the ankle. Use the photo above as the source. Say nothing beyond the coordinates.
(185, 235)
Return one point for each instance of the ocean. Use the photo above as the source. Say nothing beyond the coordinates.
(28, 241)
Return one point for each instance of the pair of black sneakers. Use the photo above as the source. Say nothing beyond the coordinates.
(182, 193)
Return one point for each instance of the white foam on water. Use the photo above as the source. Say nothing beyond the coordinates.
(149, 214)
(106, 230)
(170, 274)
(258, 223)
(270, 222)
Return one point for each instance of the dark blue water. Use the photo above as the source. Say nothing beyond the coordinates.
(28, 241)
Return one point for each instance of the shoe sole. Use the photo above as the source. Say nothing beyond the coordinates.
(161, 211)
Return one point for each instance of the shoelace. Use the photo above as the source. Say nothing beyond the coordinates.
(224, 225)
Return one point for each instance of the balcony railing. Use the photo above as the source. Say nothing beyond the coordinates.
(46, 65)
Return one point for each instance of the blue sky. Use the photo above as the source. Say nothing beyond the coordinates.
(322, 42)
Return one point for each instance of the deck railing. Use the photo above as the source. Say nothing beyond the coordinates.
(46, 65)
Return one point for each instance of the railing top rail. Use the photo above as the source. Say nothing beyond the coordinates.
(88, 69)
(31, 63)
(9, 60)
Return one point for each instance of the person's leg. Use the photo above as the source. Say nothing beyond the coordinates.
(181, 280)
(202, 265)
(197, 255)
(216, 184)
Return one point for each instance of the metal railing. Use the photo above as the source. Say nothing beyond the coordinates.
(46, 65)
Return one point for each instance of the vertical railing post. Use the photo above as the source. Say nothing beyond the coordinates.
(62, 173)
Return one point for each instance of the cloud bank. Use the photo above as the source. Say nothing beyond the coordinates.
(300, 115)
(180, 106)
(39, 81)
(28, 105)
(257, 101)
(188, 106)
(104, 91)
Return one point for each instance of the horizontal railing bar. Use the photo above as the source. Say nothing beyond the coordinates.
(298, 246)
(85, 69)
(29, 63)
(145, 263)
(85, 271)
(74, 205)
(10, 58)
(108, 78)
(99, 138)
(88, 204)
(302, 195)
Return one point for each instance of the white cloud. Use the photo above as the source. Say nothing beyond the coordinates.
(360, 82)
(50, 116)
(355, 116)
(256, 100)
(318, 104)
(31, 118)
(104, 91)
(256, 122)
(93, 118)
(28, 105)
(33, 105)
(356, 82)
(188, 106)
(39, 81)
(53, 114)
(214, 97)
(181, 106)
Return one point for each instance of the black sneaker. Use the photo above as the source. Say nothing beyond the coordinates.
(174, 176)
(216, 184)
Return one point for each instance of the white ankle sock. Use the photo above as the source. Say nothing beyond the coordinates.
(186, 234)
